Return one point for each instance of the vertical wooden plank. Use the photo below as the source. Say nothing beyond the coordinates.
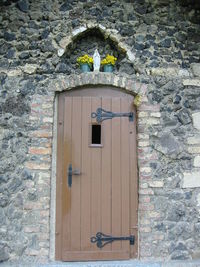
(95, 182)
(106, 197)
(116, 175)
(76, 164)
(66, 192)
(86, 175)
(60, 124)
(133, 181)
(125, 174)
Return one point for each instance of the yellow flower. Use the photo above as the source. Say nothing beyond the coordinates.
(109, 60)
(85, 59)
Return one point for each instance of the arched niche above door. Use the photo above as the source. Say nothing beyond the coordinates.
(86, 39)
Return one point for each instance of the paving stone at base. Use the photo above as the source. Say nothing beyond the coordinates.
(131, 263)
(191, 263)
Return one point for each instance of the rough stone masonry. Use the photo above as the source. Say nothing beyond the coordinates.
(157, 44)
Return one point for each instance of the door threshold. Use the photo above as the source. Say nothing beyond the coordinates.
(120, 263)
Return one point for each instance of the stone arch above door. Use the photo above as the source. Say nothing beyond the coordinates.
(131, 86)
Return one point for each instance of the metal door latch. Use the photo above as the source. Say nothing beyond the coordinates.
(71, 172)
(100, 238)
(102, 115)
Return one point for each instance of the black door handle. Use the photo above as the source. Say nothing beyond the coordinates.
(70, 173)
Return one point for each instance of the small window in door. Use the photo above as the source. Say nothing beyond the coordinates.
(96, 135)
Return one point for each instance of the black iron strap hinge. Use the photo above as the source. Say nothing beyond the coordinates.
(102, 114)
(102, 239)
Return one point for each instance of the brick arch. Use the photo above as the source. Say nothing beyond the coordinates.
(129, 85)
(107, 34)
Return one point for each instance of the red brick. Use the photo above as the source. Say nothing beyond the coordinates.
(145, 199)
(42, 134)
(146, 207)
(35, 105)
(146, 191)
(143, 89)
(145, 229)
(137, 86)
(145, 177)
(144, 150)
(129, 85)
(32, 252)
(47, 127)
(39, 151)
(37, 166)
(32, 206)
(31, 229)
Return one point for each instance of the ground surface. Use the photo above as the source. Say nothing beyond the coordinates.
(131, 263)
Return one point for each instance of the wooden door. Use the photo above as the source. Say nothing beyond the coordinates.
(103, 197)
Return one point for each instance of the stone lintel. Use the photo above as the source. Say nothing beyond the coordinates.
(170, 71)
(193, 140)
(195, 67)
(196, 120)
(12, 72)
(191, 179)
(197, 161)
(191, 82)
(30, 68)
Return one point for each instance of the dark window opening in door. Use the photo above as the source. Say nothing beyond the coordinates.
(96, 134)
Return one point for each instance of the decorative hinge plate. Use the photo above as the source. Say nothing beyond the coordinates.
(102, 239)
(102, 115)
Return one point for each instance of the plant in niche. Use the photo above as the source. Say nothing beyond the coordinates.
(108, 63)
(109, 60)
(85, 59)
(137, 100)
(85, 62)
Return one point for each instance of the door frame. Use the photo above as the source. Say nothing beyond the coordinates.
(106, 90)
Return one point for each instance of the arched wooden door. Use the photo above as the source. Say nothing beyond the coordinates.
(96, 176)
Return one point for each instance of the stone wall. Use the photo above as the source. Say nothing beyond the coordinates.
(157, 44)
(170, 181)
